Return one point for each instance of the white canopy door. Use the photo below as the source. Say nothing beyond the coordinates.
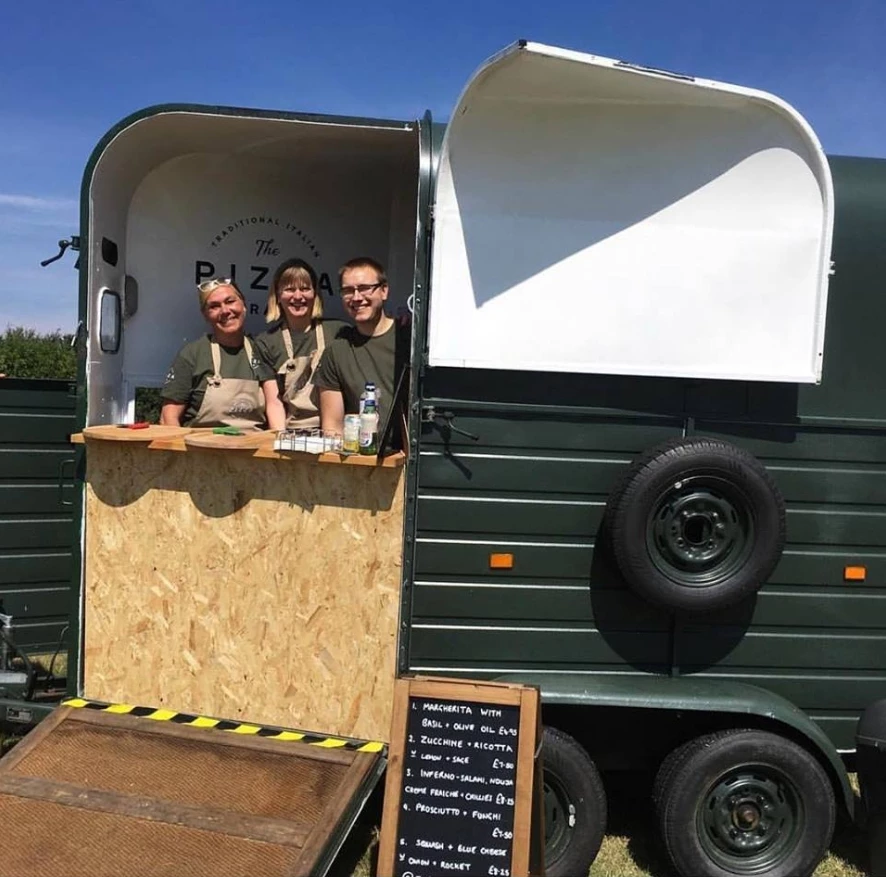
(592, 216)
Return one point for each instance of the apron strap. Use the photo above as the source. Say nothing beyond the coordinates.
(216, 362)
(287, 343)
(216, 357)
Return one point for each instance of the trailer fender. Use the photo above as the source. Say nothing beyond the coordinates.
(683, 693)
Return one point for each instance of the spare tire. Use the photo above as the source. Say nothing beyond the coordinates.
(697, 524)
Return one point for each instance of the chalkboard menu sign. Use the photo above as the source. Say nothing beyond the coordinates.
(459, 792)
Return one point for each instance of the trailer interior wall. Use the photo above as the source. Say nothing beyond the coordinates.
(187, 194)
(596, 218)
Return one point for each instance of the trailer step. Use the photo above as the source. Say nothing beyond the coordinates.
(97, 793)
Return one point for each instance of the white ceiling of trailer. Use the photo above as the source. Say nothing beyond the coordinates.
(593, 218)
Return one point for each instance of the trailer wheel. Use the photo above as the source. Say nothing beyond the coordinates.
(697, 525)
(744, 802)
(575, 806)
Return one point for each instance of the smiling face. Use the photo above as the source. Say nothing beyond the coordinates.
(364, 296)
(225, 312)
(297, 298)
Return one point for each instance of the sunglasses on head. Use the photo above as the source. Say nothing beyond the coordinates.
(209, 285)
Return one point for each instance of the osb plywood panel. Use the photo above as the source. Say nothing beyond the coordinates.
(259, 590)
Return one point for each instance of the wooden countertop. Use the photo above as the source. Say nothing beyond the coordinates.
(255, 444)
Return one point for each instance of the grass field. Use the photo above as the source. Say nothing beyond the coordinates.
(631, 849)
(637, 854)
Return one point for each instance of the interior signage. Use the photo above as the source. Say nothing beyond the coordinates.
(249, 249)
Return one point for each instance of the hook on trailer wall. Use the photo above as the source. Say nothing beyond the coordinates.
(73, 243)
(443, 420)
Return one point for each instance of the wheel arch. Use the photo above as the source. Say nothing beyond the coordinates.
(743, 704)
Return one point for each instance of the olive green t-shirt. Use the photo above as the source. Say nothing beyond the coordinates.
(192, 368)
(354, 359)
(270, 347)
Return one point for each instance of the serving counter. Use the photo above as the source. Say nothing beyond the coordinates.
(225, 578)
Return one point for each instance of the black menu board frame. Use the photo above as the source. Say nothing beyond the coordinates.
(463, 763)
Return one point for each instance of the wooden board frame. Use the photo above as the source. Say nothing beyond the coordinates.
(315, 841)
(258, 445)
(528, 812)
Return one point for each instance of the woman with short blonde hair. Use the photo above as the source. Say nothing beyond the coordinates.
(293, 273)
(293, 344)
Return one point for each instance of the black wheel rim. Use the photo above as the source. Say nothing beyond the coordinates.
(700, 531)
(750, 820)
(559, 818)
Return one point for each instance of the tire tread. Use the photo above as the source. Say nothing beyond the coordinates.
(669, 794)
(633, 561)
(567, 759)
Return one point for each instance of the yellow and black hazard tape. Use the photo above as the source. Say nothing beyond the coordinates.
(246, 729)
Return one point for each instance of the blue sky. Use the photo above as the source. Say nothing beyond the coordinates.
(69, 72)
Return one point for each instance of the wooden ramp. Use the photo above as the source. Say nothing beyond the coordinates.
(100, 794)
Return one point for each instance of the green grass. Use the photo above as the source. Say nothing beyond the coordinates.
(638, 855)
(632, 848)
(7, 742)
(633, 856)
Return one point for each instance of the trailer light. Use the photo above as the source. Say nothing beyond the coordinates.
(501, 561)
(854, 573)
(109, 322)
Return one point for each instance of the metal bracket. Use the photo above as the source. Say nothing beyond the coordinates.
(73, 243)
(430, 415)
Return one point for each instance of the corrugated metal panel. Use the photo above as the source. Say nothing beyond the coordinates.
(37, 483)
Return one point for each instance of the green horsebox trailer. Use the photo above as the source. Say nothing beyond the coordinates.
(646, 424)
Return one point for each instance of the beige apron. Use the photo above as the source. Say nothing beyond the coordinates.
(300, 396)
(231, 401)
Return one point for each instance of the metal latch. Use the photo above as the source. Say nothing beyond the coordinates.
(73, 243)
(7, 676)
(22, 715)
(443, 421)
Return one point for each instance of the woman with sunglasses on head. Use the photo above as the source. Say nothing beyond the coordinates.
(293, 344)
(219, 379)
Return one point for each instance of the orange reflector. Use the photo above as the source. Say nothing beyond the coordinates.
(501, 561)
(854, 573)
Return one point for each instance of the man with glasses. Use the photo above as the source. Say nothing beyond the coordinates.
(366, 351)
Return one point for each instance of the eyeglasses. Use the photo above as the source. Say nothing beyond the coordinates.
(209, 285)
(363, 288)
